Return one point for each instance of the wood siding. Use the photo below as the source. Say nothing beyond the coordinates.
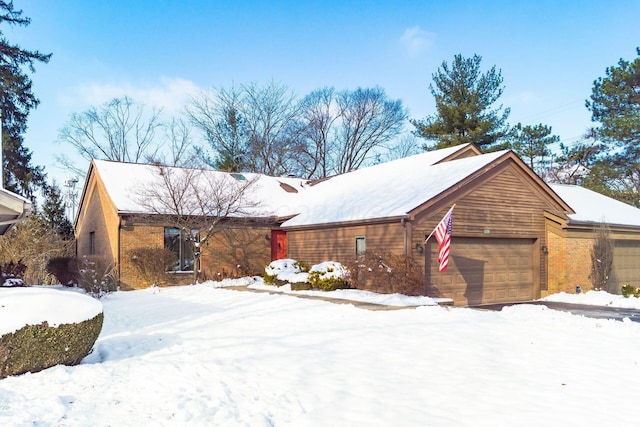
(626, 263)
(504, 204)
(339, 243)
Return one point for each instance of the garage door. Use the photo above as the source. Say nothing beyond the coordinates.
(626, 263)
(483, 271)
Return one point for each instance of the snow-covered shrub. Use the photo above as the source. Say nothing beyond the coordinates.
(35, 347)
(11, 274)
(627, 290)
(285, 271)
(329, 276)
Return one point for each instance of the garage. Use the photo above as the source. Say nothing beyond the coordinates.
(484, 270)
(626, 263)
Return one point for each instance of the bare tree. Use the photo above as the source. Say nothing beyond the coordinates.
(318, 116)
(601, 259)
(198, 203)
(252, 128)
(178, 143)
(219, 115)
(405, 146)
(120, 130)
(368, 120)
(271, 112)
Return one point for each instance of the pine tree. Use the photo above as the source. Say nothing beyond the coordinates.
(16, 101)
(53, 212)
(615, 104)
(464, 99)
(532, 144)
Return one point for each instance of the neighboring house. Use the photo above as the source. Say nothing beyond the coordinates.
(570, 240)
(13, 209)
(515, 238)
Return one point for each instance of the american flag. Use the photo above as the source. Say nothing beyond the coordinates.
(443, 236)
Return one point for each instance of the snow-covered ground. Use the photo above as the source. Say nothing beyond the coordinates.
(208, 356)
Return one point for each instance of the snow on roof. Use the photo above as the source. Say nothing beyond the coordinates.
(126, 184)
(595, 207)
(385, 190)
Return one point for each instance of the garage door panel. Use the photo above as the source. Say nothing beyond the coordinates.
(484, 271)
(626, 263)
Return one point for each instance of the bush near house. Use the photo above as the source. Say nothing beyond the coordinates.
(152, 264)
(327, 276)
(12, 274)
(388, 273)
(627, 290)
(283, 271)
(65, 269)
(94, 274)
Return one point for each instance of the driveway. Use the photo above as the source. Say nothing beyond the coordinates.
(594, 311)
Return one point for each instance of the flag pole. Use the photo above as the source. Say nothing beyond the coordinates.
(434, 230)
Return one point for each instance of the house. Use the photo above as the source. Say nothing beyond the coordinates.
(499, 227)
(115, 218)
(515, 238)
(571, 239)
(13, 209)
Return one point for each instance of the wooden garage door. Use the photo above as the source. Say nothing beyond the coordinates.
(483, 271)
(626, 263)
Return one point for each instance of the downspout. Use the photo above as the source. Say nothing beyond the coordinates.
(119, 261)
(403, 221)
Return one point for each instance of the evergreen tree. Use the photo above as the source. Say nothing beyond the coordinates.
(53, 212)
(615, 104)
(532, 144)
(16, 101)
(464, 100)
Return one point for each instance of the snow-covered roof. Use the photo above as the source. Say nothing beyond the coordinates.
(594, 207)
(386, 190)
(127, 184)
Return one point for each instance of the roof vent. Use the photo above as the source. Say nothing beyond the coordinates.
(288, 188)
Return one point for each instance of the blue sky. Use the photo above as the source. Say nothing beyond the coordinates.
(161, 52)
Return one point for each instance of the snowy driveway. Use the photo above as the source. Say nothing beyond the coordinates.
(592, 311)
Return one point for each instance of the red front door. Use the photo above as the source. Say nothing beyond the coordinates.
(278, 244)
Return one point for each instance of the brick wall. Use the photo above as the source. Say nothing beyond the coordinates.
(569, 262)
(230, 253)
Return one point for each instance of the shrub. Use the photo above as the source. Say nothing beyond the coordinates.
(152, 263)
(627, 290)
(329, 276)
(97, 276)
(601, 259)
(37, 347)
(387, 272)
(284, 271)
(12, 273)
(64, 269)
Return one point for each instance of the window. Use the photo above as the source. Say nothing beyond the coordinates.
(361, 246)
(92, 243)
(181, 243)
